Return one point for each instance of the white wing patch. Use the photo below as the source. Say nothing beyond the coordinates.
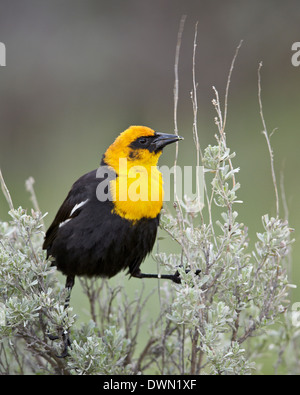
(76, 207)
(64, 222)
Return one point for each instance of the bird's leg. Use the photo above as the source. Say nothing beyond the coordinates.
(70, 281)
(174, 277)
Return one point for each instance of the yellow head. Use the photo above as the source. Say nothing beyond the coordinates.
(137, 190)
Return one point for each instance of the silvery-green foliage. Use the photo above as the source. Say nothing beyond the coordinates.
(93, 354)
(241, 290)
(29, 295)
(32, 308)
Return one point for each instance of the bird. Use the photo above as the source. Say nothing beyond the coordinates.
(109, 219)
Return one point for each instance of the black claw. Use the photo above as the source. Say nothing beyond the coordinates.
(52, 337)
(66, 343)
(176, 277)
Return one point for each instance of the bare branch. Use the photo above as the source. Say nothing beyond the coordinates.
(6, 192)
(29, 187)
(267, 136)
(228, 83)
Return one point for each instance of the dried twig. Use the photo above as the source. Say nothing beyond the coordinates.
(6, 192)
(195, 123)
(228, 84)
(176, 65)
(176, 96)
(29, 187)
(267, 136)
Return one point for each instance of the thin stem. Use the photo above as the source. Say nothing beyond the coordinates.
(228, 83)
(176, 97)
(176, 84)
(6, 192)
(29, 187)
(195, 123)
(267, 136)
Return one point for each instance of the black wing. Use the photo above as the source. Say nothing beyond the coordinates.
(79, 193)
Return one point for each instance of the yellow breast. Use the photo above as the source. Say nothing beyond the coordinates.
(137, 191)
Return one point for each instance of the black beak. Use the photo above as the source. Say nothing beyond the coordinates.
(162, 139)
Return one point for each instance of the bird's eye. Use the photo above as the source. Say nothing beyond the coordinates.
(143, 141)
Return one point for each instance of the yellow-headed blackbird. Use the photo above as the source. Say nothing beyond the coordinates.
(96, 236)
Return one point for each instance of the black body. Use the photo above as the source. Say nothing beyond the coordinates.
(94, 241)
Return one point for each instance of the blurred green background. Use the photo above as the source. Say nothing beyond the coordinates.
(80, 72)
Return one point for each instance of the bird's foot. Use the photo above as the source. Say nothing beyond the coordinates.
(176, 277)
(66, 343)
